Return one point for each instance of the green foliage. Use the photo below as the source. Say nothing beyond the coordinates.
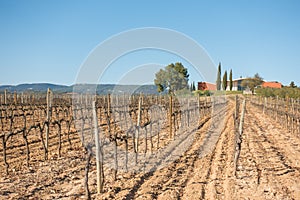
(233, 92)
(207, 93)
(193, 86)
(282, 92)
(224, 84)
(174, 76)
(252, 82)
(184, 92)
(293, 85)
(203, 93)
(230, 80)
(218, 82)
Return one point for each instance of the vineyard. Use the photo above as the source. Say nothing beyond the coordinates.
(70, 146)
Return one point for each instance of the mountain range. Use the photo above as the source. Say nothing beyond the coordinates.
(90, 88)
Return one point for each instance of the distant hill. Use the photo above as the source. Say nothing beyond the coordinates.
(101, 89)
(34, 87)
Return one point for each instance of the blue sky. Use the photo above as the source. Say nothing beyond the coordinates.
(47, 41)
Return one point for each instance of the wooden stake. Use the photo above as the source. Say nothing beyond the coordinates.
(236, 108)
(100, 177)
(15, 98)
(242, 118)
(108, 105)
(170, 116)
(138, 124)
(22, 98)
(48, 121)
(86, 180)
(5, 97)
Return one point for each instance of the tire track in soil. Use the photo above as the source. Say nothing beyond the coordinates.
(171, 182)
(264, 170)
(168, 180)
(214, 177)
(208, 138)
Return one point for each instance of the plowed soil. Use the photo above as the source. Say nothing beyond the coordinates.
(268, 167)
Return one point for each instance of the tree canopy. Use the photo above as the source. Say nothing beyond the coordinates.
(174, 77)
(293, 85)
(252, 82)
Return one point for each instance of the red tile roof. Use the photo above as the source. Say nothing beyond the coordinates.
(272, 85)
(206, 86)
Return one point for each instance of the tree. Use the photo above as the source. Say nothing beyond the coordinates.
(174, 77)
(230, 80)
(293, 85)
(218, 82)
(193, 87)
(251, 83)
(224, 84)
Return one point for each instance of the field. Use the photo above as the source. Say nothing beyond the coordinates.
(153, 147)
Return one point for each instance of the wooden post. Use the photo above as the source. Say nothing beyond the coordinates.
(115, 147)
(15, 98)
(264, 105)
(48, 121)
(170, 116)
(276, 108)
(158, 117)
(286, 113)
(199, 103)
(5, 96)
(138, 124)
(99, 156)
(242, 118)
(86, 179)
(236, 112)
(151, 141)
(108, 105)
(22, 98)
(126, 141)
(81, 99)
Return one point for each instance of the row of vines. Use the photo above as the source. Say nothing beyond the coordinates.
(124, 132)
(286, 111)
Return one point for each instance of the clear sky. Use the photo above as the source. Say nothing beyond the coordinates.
(47, 41)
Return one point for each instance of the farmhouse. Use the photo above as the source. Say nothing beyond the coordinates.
(236, 84)
(206, 86)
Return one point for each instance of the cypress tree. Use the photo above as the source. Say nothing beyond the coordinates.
(194, 87)
(218, 82)
(230, 80)
(224, 84)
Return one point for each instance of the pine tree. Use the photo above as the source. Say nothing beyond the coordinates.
(174, 77)
(218, 82)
